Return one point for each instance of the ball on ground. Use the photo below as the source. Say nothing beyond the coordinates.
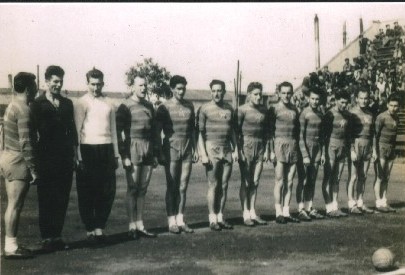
(383, 259)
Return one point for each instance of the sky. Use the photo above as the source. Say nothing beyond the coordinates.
(201, 41)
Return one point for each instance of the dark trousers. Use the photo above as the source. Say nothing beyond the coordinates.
(53, 198)
(96, 184)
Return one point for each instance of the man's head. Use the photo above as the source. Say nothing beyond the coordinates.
(342, 99)
(362, 97)
(314, 97)
(286, 92)
(54, 79)
(95, 81)
(393, 104)
(139, 86)
(388, 26)
(178, 85)
(254, 91)
(325, 69)
(25, 83)
(217, 90)
(347, 60)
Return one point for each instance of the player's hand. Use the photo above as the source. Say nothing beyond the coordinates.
(162, 159)
(34, 177)
(273, 157)
(235, 156)
(242, 156)
(155, 162)
(79, 165)
(323, 159)
(306, 161)
(205, 160)
(266, 157)
(127, 164)
(353, 156)
(374, 156)
(116, 164)
(75, 162)
(195, 157)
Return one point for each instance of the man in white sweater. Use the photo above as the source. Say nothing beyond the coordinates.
(97, 157)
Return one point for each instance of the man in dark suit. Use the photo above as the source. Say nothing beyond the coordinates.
(56, 140)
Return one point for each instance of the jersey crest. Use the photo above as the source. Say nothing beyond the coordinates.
(259, 118)
(223, 115)
(183, 113)
(288, 114)
(342, 123)
(366, 120)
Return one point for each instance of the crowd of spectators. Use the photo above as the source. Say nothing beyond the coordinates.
(382, 76)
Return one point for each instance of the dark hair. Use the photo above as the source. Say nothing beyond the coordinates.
(177, 79)
(54, 70)
(22, 81)
(362, 89)
(314, 90)
(342, 94)
(217, 82)
(394, 97)
(94, 73)
(254, 85)
(286, 84)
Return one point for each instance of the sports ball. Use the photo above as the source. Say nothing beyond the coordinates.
(383, 259)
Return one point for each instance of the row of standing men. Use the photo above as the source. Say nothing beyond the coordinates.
(46, 138)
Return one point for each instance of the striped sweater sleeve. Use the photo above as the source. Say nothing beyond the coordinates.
(22, 116)
(302, 140)
(123, 124)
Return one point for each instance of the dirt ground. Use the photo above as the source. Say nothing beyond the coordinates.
(332, 246)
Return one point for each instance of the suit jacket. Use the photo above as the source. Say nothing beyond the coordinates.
(54, 133)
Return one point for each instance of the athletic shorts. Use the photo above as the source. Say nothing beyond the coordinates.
(141, 152)
(253, 149)
(337, 149)
(387, 151)
(286, 150)
(314, 151)
(362, 147)
(177, 149)
(13, 166)
(218, 152)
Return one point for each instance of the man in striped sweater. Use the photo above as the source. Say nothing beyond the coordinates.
(253, 123)
(176, 118)
(284, 134)
(362, 125)
(16, 161)
(138, 146)
(97, 156)
(386, 129)
(337, 139)
(218, 149)
(312, 153)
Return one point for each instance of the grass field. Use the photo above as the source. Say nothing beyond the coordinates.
(338, 246)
